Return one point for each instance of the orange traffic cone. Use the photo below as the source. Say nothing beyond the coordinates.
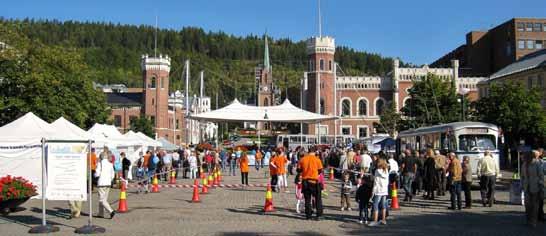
(331, 173)
(219, 176)
(268, 207)
(172, 180)
(122, 207)
(195, 198)
(394, 198)
(155, 185)
(211, 181)
(201, 173)
(204, 188)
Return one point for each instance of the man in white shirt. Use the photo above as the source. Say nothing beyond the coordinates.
(366, 161)
(192, 160)
(488, 170)
(393, 172)
(105, 173)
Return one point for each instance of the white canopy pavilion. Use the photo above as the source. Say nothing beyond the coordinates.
(286, 112)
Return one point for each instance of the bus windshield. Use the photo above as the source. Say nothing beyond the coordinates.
(473, 142)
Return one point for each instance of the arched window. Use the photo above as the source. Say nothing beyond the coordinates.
(162, 82)
(379, 106)
(266, 102)
(346, 107)
(321, 64)
(153, 82)
(330, 65)
(362, 107)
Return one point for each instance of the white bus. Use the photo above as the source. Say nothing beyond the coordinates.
(470, 139)
(292, 141)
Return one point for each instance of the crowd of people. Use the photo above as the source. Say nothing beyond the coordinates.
(370, 178)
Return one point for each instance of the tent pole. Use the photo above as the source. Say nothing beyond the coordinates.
(301, 134)
(89, 187)
(43, 183)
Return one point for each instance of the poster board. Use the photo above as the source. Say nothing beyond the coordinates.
(66, 171)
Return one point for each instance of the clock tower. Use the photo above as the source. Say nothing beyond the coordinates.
(265, 87)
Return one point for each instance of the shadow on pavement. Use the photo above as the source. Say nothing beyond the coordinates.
(302, 233)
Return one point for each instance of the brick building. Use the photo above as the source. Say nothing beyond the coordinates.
(486, 52)
(359, 100)
(152, 101)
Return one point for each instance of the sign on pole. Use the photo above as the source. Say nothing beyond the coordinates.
(66, 171)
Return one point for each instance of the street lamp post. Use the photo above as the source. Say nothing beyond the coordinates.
(463, 92)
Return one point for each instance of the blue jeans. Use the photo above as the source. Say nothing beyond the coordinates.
(232, 166)
(379, 202)
(408, 180)
(455, 191)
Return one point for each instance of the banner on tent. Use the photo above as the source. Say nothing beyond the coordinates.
(66, 171)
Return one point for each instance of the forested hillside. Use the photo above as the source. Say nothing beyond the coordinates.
(113, 52)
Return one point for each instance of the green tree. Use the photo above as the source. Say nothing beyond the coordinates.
(48, 81)
(389, 121)
(517, 111)
(144, 125)
(433, 100)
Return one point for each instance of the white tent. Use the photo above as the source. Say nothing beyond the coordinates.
(153, 142)
(111, 136)
(286, 112)
(21, 150)
(64, 126)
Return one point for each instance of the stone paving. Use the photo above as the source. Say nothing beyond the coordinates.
(237, 211)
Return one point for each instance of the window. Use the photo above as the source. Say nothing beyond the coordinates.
(530, 44)
(153, 101)
(538, 44)
(529, 27)
(540, 81)
(544, 27)
(321, 106)
(521, 44)
(117, 120)
(162, 82)
(178, 136)
(379, 105)
(152, 118)
(520, 26)
(508, 49)
(530, 82)
(132, 119)
(537, 27)
(346, 107)
(346, 130)
(321, 64)
(362, 107)
(362, 132)
(177, 124)
(153, 82)
(266, 102)
(330, 65)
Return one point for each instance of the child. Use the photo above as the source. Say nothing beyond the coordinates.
(299, 194)
(346, 187)
(363, 196)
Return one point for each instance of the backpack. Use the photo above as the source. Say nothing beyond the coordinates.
(152, 162)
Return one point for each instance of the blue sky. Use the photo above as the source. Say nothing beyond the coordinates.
(417, 31)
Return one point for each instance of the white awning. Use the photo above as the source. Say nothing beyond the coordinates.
(286, 112)
(111, 135)
(145, 140)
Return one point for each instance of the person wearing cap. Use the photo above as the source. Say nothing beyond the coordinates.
(309, 167)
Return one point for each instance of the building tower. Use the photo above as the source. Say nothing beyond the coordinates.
(266, 92)
(319, 96)
(155, 74)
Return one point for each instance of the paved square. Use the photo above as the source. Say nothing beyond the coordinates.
(237, 211)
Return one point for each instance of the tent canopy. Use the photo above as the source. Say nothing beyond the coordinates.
(286, 112)
(62, 125)
(152, 141)
(32, 127)
(166, 144)
(145, 140)
(112, 136)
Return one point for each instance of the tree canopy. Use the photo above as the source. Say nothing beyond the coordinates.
(517, 111)
(112, 53)
(51, 81)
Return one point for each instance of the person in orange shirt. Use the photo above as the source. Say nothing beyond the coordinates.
(259, 156)
(280, 162)
(309, 167)
(92, 160)
(243, 164)
(273, 171)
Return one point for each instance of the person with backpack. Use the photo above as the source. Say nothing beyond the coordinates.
(153, 163)
(142, 172)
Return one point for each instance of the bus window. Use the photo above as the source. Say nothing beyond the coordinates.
(473, 142)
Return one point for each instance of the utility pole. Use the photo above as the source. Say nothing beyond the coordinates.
(188, 135)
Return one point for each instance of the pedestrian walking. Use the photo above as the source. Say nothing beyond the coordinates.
(488, 170)
(309, 167)
(273, 172)
(176, 163)
(380, 191)
(441, 163)
(243, 162)
(126, 164)
(192, 160)
(363, 197)
(142, 173)
(258, 162)
(366, 160)
(298, 183)
(455, 177)
(105, 173)
(467, 182)
(533, 186)
(345, 190)
(430, 176)
(409, 170)
(281, 163)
